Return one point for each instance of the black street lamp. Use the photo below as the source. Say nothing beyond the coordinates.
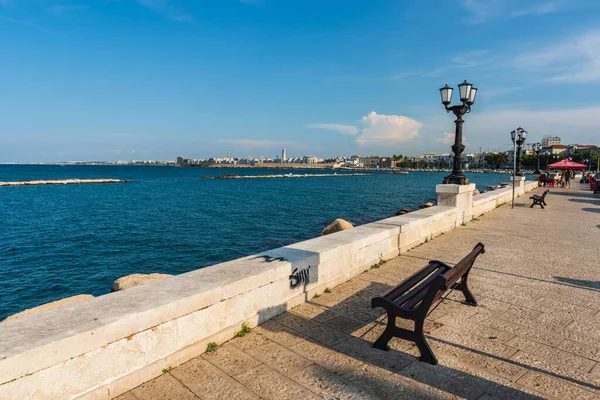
(537, 149)
(518, 136)
(467, 97)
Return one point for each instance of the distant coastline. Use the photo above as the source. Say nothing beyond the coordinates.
(270, 166)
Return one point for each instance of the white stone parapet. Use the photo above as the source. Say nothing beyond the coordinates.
(102, 347)
(459, 196)
(519, 182)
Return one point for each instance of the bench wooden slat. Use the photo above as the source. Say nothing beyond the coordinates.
(410, 305)
(414, 292)
(453, 275)
(412, 280)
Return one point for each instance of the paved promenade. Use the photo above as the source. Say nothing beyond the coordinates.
(536, 333)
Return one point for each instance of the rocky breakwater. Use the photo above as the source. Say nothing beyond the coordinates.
(122, 283)
(336, 226)
(133, 280)
(62, 182)
(50, 306)
(278, 176)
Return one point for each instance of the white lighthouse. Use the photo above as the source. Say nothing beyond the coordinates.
(283, 155)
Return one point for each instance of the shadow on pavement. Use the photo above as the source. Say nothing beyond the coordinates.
(573, 193)
(590, 201)
(589, 209)
(343, 333)
(562, 281)
(579, 282)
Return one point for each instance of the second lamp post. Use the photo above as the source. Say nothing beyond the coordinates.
(518, 137)
(537, 149)
(467, 97)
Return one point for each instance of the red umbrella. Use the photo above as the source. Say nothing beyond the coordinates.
(567, 164)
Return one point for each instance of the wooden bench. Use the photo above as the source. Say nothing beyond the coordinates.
(541, 200)
(413, 298)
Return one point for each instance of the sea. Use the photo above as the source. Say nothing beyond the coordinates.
(58, 241)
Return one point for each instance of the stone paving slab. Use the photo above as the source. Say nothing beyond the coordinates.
(535, 333)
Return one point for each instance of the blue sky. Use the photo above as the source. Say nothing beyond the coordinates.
(154, 79)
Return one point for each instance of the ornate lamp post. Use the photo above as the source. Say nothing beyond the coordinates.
(467, 97)
(537, 149)
(518, 136)
(587, 162)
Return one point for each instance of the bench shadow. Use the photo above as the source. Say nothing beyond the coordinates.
(595, 285)
(562, 282)
(574, 193)
(593, 210)
(589, 201)
(346, 329)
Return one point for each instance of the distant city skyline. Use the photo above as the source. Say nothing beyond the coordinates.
(154, 79)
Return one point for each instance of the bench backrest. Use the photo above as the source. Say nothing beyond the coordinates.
(544, 194)
(428, 284)
(463, 266)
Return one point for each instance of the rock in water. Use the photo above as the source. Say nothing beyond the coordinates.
(336, 226)
(130, 281)
(476, 192)
(50, 306)
(426, 205)
(403, 211)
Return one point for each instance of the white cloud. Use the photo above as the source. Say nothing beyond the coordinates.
(482, 10)
(448, 138)
(425, 73)
(66, 10)
(492, 129)
(471, 59)
(343, 129)
(169, 8)
(538, 9)
(380, 129)
(576, 59)
(561, 119)
(253, 144)
(485, 10)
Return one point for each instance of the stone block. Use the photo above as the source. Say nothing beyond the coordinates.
(270, 384)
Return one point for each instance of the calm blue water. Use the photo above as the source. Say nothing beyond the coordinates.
(59, 241)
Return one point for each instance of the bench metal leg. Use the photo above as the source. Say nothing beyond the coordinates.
(387, 335)
(464, 288)
(426, 353)
(417, 336)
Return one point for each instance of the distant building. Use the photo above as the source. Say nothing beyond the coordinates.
(511, 158)
(180, 161)
(555, 149)
(581, 147)
(283, 155)
(550, 141)
(370, 161)
(441, 160)
(426, 156)
(310, 160)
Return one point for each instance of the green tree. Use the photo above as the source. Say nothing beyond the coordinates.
(498, 160)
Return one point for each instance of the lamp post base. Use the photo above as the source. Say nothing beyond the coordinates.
(458, 179)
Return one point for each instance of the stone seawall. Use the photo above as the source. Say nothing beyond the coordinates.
(62, 182)
(102, 347)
